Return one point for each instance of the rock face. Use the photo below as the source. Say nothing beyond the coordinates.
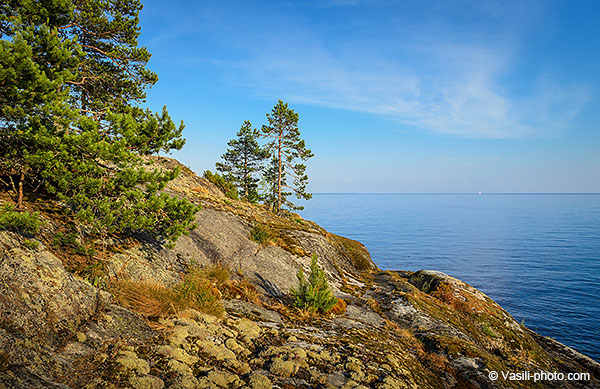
(399, 329)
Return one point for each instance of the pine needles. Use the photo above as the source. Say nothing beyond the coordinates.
(313, 294)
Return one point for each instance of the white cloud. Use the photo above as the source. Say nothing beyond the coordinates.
(433, 81)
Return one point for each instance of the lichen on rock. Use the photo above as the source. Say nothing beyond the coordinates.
(399, 329)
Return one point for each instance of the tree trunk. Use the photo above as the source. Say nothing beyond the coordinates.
(246, 176)
(279, 178)
(20, 199)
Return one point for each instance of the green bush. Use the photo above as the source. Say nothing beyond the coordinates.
(197, 291)
(259, 234)
(314, 294)
(69, 242)
(11, 219)
(31, 244)
(223, 183)
(95, 274)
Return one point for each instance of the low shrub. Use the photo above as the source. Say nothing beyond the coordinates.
(70, 243)
(313, 294)
(225, 185)
(197, 291)
(12, 219)
(220, 276)
(95, 274)
(201, 289)
(260, 234)
(31, 244)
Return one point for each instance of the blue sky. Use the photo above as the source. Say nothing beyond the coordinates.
(393, 96)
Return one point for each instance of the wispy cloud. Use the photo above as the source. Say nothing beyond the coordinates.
(431, 80)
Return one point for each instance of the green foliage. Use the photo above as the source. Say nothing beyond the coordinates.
(31, 244)
(226, 186)
(70, 242)
(260, 234)
(242, 161)
(196, 291)
(95, 274)
(71, 78)
(269, 183)
(486, 329)
(288, 151)
(11, 219)
(315, 293)
(200, 289)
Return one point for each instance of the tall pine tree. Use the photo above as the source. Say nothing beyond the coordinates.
(269, 183)
(288, 151)
(243, 160)
(71, 78)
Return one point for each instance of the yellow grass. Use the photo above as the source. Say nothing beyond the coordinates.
(201, 289)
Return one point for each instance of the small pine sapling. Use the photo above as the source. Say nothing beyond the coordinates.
(314, 293)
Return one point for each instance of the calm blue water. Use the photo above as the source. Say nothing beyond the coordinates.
(536, 255)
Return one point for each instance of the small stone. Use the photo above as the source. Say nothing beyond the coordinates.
(193, 327)
(239, 367)
(219, 352)
(337, 379)
(354, 366)
(129, 361)
(257, 362)
(81, 337)
(178, 367)
(186, 381)
(178, 336)
(325, 356)
(299, 353)
(199, 316)
(236, 347)
(248, 329)
(146, 382)
(292, 338)
(222, 378)
(356, 376)
(178, 354)
(283, 368)
(259, 381)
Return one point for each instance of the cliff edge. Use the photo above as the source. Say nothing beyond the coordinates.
(65, 321)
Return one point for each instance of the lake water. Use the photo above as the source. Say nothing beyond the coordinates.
(537, 255)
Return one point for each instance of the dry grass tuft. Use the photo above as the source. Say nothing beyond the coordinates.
(305, 314)
(154, 300)
(201, 289)
(242, 290)
(147, 298)
(218, 273)
(374, 305)
(198, 292)
(339, 307)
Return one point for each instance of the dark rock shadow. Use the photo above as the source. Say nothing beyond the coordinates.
(270, 288)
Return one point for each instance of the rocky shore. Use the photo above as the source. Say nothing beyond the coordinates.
(61, 328)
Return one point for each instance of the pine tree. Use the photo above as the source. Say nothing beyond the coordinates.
(71, 78)
(314, 294)
(243, 160)
(287, 148)
(269, 181)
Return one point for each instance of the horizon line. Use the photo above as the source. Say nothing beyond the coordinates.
(457, 193)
